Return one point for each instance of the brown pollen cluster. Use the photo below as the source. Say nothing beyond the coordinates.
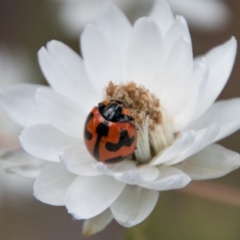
(139, 100)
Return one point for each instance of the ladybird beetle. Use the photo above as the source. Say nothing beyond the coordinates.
(109, 134)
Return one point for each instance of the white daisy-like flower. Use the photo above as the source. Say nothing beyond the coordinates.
(150, 67)
(205, 15)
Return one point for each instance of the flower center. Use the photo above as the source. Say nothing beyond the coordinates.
(155, 131)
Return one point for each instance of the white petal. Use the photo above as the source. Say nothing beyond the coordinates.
(145, 174)
(134, 205)
(79, 161)
(65, 72)
(45, 142)
(225, 112)
(101, 61)
(89, 196)
(52, 184)
(204, 138)
(128, 172)
(220, 61)
(117, 29)
(96, 224)
(209, 15)
(175, 85)
(61, 112)
(113, 22)
(180, 144)
(144, 53)
(178, 29)
(199, 76)
(18, 101)
(162, 14)
(169, 178)
(212, 162)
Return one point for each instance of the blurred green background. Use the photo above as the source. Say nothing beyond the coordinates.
(31, 23)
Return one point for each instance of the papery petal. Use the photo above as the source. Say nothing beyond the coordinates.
(212, 162)
(52, 184)
(128, 172)
(96, 224)
(220, 60)
(203, 138)
(180, 144)
(45, 142)
(117, 29)
(174, 85)
(225, 112)
(162, 14)
(18, 101)
(169, 178)
(78, 161)
(61, 112)
(200, 77)
(136, 177)
(65, 72)
(178, 29)
(100, 59)
(89, 196)
(134, 205)
(144, 54)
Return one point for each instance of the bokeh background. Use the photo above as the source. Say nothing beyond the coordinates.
(179, 214)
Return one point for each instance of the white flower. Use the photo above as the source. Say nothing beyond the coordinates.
(206, 15)
(149, 66)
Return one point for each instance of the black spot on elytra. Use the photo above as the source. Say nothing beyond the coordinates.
(87, 134)
(102, 131)
(124, 140)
